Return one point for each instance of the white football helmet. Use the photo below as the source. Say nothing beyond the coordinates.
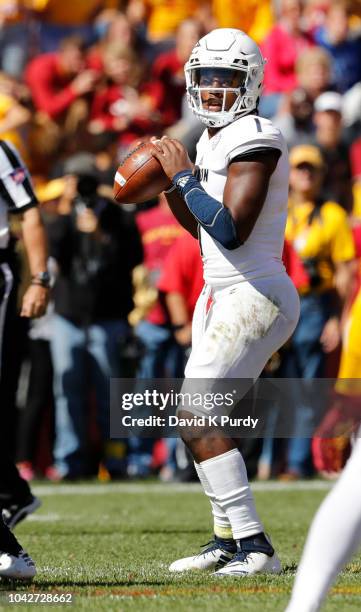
(238, 67)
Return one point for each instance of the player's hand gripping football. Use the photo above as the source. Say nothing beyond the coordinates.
(172, 155)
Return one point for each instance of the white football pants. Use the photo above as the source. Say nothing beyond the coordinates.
(246, 323)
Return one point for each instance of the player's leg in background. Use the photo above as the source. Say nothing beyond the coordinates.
(334, 536)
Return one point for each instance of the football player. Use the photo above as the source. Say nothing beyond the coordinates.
(235, 201)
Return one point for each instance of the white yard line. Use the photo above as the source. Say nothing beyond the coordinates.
(168, 488)
(49, 517)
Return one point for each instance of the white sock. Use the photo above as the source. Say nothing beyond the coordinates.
(222, 526)
(335, 534)
(227, 477)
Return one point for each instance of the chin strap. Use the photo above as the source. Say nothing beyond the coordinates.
(210, 214)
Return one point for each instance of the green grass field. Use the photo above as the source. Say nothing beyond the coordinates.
(110, 546)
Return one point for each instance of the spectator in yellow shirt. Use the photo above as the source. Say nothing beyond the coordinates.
(319, 231)
(159, 19)
(255, 17)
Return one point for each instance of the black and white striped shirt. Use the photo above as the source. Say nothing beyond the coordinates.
(16, 190)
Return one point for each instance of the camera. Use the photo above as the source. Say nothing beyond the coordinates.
(87, 186)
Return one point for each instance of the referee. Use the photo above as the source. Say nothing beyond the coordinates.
(16, 197)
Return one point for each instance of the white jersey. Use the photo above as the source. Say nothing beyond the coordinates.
(261, 254)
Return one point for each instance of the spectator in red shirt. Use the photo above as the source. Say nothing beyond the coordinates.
(117, 106)
(56, 80)
(159, 230)
(60, 84)
(181, 282)
(282, 47)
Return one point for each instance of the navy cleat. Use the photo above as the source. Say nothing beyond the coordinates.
(214, 555)
(255, 555)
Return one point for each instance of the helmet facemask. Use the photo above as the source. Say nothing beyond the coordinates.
(228, 81)
(236, 60)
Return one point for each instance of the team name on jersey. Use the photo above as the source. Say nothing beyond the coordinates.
(201, 174)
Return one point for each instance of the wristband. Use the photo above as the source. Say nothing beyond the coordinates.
(42, 279)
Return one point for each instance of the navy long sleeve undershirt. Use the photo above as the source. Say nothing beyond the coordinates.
(212, 215)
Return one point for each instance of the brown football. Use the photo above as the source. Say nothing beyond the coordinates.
(140, 176)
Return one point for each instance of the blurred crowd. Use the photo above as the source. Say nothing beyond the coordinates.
(80, 83)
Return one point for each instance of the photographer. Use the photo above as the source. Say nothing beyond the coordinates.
(96, 245)
(319, 232)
